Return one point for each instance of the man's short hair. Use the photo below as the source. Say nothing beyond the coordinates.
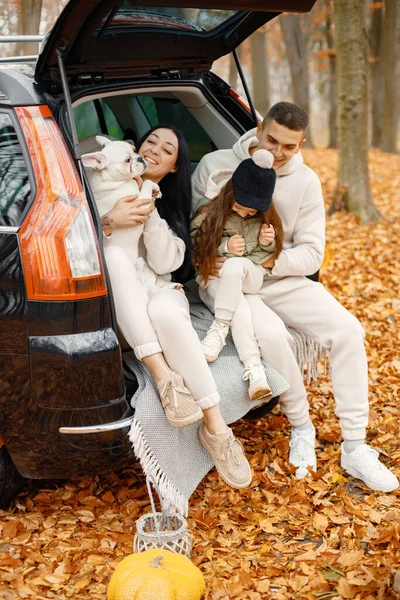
(287, 114)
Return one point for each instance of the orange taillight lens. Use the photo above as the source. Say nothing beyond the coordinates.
(243, 102)
(58, 243)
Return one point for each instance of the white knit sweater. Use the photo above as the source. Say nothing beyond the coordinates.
(161, 252)
(297, 198)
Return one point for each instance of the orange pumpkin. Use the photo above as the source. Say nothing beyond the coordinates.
(156, 574)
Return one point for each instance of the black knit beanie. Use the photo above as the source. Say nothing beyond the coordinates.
(253, 181)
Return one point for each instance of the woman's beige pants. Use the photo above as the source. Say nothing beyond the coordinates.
(160, 323)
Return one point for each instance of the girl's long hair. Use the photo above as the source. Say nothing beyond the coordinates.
(176, 202)
(209, 235)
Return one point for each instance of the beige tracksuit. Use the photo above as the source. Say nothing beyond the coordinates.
(152, 314)
(287, 297)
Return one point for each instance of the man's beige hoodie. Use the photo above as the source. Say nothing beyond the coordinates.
(297, 198)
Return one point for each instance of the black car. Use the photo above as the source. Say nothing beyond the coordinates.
(113, 67)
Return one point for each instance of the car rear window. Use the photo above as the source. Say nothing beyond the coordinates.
(197, 19)
(94, 117)
(15, 187)
(141, 112)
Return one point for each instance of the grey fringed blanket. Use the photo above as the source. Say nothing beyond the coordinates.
(174, 457)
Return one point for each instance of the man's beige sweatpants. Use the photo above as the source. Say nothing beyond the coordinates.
(308, 307)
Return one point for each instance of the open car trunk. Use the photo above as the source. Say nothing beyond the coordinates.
(108, 39)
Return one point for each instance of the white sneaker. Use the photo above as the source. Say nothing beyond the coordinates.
(302, 451)
(363, 463)
(258, 384)
(214, 340)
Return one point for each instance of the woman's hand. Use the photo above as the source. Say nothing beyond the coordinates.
(127, 212)
(267, 235)
(236, 245)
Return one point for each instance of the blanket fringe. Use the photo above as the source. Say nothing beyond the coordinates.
(308, 353)
(172, 499)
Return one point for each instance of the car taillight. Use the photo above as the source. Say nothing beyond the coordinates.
(58, 243)
(243, 102)
(81, 246)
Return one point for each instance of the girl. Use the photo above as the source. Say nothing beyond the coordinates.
(158, 326)
(242, 224)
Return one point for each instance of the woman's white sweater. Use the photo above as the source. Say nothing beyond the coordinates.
(297, 198)
(161, 252)
(165, 251)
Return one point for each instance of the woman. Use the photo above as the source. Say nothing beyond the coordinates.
(166, 341)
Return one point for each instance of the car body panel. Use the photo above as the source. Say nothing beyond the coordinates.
(105, 39)
(91, 361)
(13, 334)
(31, 432)
(63, 318)
(17, 87)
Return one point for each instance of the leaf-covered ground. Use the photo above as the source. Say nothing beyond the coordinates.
(327, 538)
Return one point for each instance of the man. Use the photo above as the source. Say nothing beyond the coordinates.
(291, 299)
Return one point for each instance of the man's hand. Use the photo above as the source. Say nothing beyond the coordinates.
(127, 212)
(236, 245)
(267, 234)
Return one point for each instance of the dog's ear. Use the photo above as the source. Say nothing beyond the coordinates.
(131, 143)
(103, 140)
(95, 160)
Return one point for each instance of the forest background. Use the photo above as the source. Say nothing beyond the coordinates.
(291, 58)
(339, 62)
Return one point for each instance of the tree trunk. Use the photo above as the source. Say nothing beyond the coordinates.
(389, 133)
(376, 76)
(353, 190)
(332, 84)
(50, 11)
(298, 62)
(259, 71)
(30, 13)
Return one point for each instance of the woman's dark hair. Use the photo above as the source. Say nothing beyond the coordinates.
(209, 234)
(176, 202)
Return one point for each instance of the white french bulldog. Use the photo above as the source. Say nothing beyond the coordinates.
(111, 172)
